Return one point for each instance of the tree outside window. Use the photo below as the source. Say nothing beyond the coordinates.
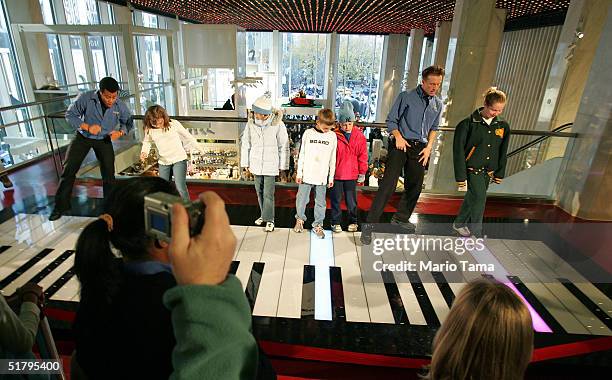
(303, 64)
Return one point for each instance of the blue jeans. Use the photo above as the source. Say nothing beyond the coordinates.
(303, 198)
(264, 186)
(179, 170)
(348, 188)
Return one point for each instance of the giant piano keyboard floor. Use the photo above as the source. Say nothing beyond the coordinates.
(309, 291)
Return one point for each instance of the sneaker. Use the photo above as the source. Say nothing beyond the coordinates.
(269, 227)
(352, 227)
(406, 225)
(259, 221)
(299, 226)
(55, 215)
(463, 231)
(336, 228)
(6, 181)
(318, 230)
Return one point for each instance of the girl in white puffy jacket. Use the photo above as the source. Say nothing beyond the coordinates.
(265, 152)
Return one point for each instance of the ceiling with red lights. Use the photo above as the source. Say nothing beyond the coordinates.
(345, 16)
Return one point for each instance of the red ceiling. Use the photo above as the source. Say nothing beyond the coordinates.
(348, 16)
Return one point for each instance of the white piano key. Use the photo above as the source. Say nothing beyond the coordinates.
(273, 256)
(565, 270)
(429, 283)
(250, 251)
(322, 257)
(298, 255)
(456, 280)
(14, 257)
(539, 290)
(545, 275)
(239, 231)
(355, 303)
(376, 295)
(68, 291)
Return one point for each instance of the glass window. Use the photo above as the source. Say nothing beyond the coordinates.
(149, 58)
(359, 62)
(303, 63)
(11, 93)
(83, 12)
(259, 52)
(55, 52)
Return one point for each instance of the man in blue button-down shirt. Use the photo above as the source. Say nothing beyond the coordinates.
(412, 124)
(99, 118)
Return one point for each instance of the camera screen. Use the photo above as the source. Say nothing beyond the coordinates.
(159, 222)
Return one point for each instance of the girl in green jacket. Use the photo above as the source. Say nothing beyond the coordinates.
(479, 154)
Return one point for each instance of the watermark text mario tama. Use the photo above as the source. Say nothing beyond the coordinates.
(406, 253)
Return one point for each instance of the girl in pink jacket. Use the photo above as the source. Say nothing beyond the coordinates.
(351, 167)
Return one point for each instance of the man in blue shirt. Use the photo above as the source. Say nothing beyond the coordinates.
(99, 118)
(412, 124)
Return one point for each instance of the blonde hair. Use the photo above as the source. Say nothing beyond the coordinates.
(327, 117)
(493, 95)
(154, 113)
(487, 335)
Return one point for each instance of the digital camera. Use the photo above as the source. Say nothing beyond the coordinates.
(158, 215)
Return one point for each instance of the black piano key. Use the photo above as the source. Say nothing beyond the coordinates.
(234, 267)
(395, 300)
(337, 294)
(536, 304)
(27, 265)
(445, 289)
(51, 267)
(253, 282)
(4, 248)
(421, 294)
(586, 301)
(308, 292)
(51, 290)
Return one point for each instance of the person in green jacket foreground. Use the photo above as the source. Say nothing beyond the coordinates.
(210, 313)
(480, 146)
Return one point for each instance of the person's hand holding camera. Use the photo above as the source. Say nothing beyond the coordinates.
(205, 258)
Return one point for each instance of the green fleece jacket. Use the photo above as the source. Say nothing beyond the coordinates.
(478, 145)
(212, 326)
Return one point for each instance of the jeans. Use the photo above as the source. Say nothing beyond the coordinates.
(348, 188)
(78, 149)
(179, 170)
(264, 186)
(414, 171)
(302, 199)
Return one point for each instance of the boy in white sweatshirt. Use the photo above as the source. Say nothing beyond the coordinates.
(316, 167)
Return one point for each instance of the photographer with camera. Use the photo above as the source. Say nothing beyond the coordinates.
(122, 329)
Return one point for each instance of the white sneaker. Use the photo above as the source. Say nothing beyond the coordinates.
(318, 230)
(269, 227)
(259, 221)
(299, 226)
(463, 231)
(336, 228)
(352, 227)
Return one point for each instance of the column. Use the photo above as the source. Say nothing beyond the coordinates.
(414, 57)
(426, 57)
(440, 44)
(331, 71)
(568, 76)
(585, 181)
(470, 69)
(394, 61)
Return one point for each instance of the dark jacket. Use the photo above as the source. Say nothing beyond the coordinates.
(132, 337)
(480, 146)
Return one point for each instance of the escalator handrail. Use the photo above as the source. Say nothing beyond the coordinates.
(539, 140)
